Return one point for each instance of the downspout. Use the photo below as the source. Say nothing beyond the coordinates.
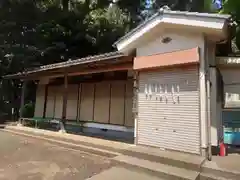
(209, 155)
(135, 105)
(207, 99)
(208, 108)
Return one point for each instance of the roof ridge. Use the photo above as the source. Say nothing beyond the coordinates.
(166, 10)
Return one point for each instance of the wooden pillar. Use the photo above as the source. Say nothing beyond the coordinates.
(65, 97)
(22, 101)
(45, 100)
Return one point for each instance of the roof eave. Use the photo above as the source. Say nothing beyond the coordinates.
(214, 21)
(66, 64)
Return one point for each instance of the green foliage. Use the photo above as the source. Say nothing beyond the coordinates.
(38, 32)
(28, 110)
(233, 7)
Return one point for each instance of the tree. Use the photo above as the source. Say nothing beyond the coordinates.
(34, 33)
(38, 32)
(233, 7)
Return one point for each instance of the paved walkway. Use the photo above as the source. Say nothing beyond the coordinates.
(118, 173)
(229, 163)
(31, 159)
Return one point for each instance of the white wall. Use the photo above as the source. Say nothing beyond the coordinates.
(181, 41)
(215, 108)
(214, 105)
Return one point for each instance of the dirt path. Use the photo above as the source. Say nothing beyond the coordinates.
(31, 159)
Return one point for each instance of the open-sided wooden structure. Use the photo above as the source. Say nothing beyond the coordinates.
(95, 92)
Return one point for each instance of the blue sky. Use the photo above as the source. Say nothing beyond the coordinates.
(216, 4)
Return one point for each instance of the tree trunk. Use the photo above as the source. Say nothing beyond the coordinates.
(65, 5)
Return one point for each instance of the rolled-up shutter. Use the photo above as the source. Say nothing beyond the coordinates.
(40, 98)
(168, 109)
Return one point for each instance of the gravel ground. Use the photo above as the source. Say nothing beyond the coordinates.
(25, 158)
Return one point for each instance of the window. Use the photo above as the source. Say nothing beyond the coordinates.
(232, 96)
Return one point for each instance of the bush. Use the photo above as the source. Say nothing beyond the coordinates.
(28, 110)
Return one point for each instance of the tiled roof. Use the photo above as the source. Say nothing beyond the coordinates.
(169, 12)
(69, 63)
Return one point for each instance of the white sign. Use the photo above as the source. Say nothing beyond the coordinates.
(162, 91)
(228, 60)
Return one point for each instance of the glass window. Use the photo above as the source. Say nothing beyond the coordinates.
(232, 96)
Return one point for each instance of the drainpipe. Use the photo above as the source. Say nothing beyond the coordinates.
(209, 153)
(135, 105)
(207, 99)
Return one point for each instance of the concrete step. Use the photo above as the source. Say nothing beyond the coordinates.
(223, 173)
(156, 169)
(205, 176)
(180, 160)
(66, 144)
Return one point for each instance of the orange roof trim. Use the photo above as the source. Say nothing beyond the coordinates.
(176, 58)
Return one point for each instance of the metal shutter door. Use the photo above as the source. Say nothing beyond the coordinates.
(86, 101)
(58, 102)
(39, 104)
(72, 102)
(117, 103)
(50, 102)
(102, 99)
(166, 124)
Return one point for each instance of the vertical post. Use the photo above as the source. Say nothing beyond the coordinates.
(45, 100)
(110, 102)
(203, 100)
(22, 102)
(78, 101)
(64, 108)
(135, 105)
